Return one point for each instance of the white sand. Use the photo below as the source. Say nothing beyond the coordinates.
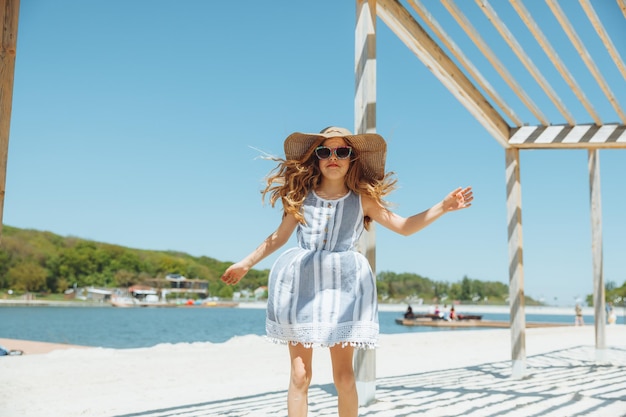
(447, 373)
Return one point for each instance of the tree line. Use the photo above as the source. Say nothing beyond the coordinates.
(43, 262)
(408, 287)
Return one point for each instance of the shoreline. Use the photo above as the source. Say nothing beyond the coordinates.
(50, 303)
(32, 347)
(386, 307)
(400, 308)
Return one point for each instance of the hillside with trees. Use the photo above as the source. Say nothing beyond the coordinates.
(45, 263)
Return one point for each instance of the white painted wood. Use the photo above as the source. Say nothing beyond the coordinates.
(516, 263)
(577, 134)
(572, 137)
(596, 250)
(365, 122)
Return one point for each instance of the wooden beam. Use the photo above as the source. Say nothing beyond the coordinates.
(533, 27)
(421, 44)
(521, 54)
(570, 137)
(516, 263)
(586, 57)
(464, 61)
(595, 198)
(365, 122)
(493, 59)
(9, 11)
(606, 39)
(622, 6)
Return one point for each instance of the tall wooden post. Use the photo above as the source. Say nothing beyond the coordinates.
(516, 264)
(365, 122)
(593, 159)
(9, 10)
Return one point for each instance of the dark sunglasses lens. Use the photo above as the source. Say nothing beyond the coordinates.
(323, 152)
(343, 153)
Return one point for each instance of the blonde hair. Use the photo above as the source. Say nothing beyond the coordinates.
(292, 180)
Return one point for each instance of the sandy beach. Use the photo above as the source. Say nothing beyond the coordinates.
(448, 373)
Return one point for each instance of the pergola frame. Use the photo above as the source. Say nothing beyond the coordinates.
(513, 137)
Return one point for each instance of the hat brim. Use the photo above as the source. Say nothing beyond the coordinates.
(370, 149)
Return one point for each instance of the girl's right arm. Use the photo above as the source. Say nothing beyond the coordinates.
(238, 270)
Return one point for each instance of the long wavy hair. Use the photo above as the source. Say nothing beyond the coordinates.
(292, 180)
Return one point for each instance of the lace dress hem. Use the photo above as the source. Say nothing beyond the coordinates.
(358, 335)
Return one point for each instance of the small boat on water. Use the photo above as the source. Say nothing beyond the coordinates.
(133, 302)
(466, 322)
(438, 322)
(433, 316)
(208, 304)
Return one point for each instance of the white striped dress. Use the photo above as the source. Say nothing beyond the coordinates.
(323, 292)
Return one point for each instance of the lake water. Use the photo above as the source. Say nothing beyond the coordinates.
(146, 327)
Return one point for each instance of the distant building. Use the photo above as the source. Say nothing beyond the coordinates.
(178, 284)
(144, 293)
(97, 294)
(260, 293)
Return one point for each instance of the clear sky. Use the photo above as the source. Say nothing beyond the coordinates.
(138, 122)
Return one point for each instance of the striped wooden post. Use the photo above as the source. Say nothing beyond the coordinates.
(365, 122)
(516, 264)
(9, 10)
(593, 159)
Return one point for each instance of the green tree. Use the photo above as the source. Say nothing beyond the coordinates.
(466, 288)
(28, 277)
(5, 264)
(226, 292)
(124, 278)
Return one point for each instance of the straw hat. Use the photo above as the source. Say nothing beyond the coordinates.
(370, 148)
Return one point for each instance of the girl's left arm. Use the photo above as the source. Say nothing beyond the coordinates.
(458, 199)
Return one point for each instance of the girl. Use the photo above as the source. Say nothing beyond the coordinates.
(323, 292)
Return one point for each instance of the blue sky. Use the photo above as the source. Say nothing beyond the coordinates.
(136, 123)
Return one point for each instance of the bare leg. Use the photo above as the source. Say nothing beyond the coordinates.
(343, 375)
(299, 381)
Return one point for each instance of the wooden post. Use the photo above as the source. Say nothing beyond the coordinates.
(365, 122)
(593, 159)
(516, 264)
(9, 10)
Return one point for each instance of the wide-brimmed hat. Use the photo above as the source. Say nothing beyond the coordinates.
(370, 148)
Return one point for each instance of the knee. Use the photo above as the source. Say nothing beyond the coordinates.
(344, 380)
(300, 375)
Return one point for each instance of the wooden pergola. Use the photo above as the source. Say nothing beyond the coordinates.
(416, 25)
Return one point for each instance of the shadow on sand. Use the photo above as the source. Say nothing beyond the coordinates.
(562, 383)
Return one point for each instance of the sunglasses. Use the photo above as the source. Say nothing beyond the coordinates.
(324, 152)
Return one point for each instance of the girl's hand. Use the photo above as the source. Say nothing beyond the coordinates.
(234, 273)
(458, 199)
